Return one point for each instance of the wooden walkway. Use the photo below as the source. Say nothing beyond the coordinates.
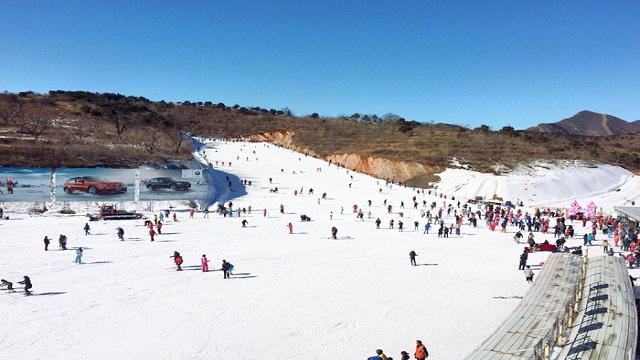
(535, 322)
(606, 326)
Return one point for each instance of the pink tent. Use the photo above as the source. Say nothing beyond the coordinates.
(574, 209)
(591, 210)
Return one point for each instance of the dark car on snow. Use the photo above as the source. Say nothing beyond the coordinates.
(168, 183)
(94, 185)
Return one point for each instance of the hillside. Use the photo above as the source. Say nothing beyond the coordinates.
(87, 129)
(591, 124)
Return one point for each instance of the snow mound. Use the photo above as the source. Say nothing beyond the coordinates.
(545, 184)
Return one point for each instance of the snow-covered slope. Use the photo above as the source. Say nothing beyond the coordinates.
(293, 296)
(547, 185)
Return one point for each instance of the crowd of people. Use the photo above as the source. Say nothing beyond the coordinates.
(425, 209)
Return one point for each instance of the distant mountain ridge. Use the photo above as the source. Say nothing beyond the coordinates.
(589, 123)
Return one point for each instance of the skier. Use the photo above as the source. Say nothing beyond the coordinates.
(155, 219)
(378, 221)
(152, 233)
(27, 285)
(225, 269)
(412, 257)
(191, 213)
(62, 240)
(87, 228)
(427, 226)
(404, 355)
(290, 226)
(177, 259)
(334, 233)
(421, 351)
(205, 263)
(415, 225)
(281, 209)
(120, 233)
(528, 274)
(78, 259)
(244, 223)
(46, 243)
(159, 228)
(400, 224)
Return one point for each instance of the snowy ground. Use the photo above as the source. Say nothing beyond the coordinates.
(548, 185)
(299, 296)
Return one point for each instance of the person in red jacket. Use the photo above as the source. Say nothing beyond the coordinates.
(177, 258)
(159, 228)
(290, 226)
(421, 351)
(152, 233)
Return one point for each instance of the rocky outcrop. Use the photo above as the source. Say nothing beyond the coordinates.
(375, 166)
(381, 167)
(284, 139)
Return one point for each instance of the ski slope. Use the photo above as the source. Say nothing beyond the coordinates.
(293, 296)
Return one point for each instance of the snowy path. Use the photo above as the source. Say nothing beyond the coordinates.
(300, 296)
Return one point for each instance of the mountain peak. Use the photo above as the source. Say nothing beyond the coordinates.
(589, 123)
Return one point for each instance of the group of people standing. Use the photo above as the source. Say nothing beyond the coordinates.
(420, 353)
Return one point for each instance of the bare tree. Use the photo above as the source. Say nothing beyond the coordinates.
(35, 119)
(120, 122)
(152, 143)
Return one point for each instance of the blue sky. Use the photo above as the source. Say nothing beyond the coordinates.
(469, 63)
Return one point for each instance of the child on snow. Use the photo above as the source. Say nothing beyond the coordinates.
(205, 263)
(177, 259)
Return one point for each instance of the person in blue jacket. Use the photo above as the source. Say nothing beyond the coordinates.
(427, 226)
(78, 259)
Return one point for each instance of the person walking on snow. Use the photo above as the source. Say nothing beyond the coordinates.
(120, 233)
(412, 257)
(290, 226)
(523, 260)
(528, 274)
(334, 233)
(78, 259)
(159, 228)
(46, 243)
(427, 226)
(62, 240)
(87, 228)
(152, 233)
(205, 263)
(225, 269)
(177, 259)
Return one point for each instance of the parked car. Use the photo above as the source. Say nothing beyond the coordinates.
(94, 185)
(168, 183)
